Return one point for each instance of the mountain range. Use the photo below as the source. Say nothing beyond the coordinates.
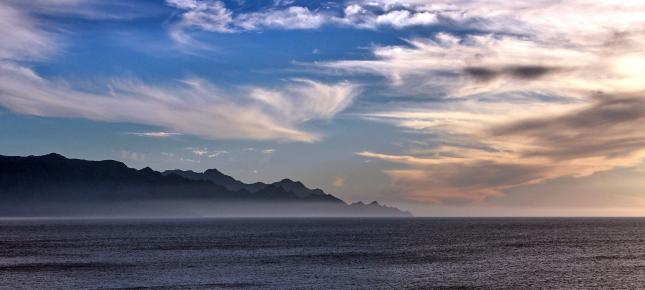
(53, 185)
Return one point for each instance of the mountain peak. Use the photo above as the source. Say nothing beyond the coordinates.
(298, 188)
(217, 177)
(289, 181)
(53, 155)
(213, 171)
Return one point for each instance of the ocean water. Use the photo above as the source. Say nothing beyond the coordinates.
(323, 253)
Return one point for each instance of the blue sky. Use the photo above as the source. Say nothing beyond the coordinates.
(440, 107)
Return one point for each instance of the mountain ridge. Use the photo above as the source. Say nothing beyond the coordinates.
(55, 179)
(231, 183)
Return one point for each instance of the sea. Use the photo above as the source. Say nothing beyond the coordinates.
(414, 253)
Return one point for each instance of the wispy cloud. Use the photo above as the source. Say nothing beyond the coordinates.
(154, 134)
(519, 45)
(534, 98)
(523, 18)
(458, 180)
(268, 151)
(199, 152)
(23, 37)
(479, 155)
(88, 9)
(190, 106)
(217, 153)
(206, 152)
(458, 66)
(214, 16)
(127, 155)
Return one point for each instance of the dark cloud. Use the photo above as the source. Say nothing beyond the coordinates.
(490, 174)
(481, 74)
(523, 72)
(528, 72)
(610, 128)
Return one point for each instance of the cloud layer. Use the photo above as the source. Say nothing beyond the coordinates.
(190, 106)
(214, 16)
(542, 90)
(485, 160)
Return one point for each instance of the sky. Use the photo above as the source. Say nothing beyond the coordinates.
(443, 108)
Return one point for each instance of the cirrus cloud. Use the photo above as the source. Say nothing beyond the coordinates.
(530, 97)
(154, 134)
(190, 106)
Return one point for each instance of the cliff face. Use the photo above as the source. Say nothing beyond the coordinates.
(70, 186)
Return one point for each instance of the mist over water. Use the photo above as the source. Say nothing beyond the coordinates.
(322, 253)
(196, 208)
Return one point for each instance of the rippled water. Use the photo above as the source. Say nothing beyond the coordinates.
(323, 253)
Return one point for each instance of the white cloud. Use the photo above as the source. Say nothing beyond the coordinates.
(22, 37)
(282, 2)
(293, 17)
(205, 152)
(570, 47)
(492, 16)
(210, 153)
(190, 106)
(204, 15)
(216, 153)
(552, 89)
(199, 152)
(154, 134)
(193, 106)
(306, 99)
(469, 65)
(268, 151)
(214, 16)
(405, 18)
(188, 160)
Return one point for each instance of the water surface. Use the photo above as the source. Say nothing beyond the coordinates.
(322, 253)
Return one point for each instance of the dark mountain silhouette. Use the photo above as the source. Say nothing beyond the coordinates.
(221, 179)
(55, 185)
(216, 177)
